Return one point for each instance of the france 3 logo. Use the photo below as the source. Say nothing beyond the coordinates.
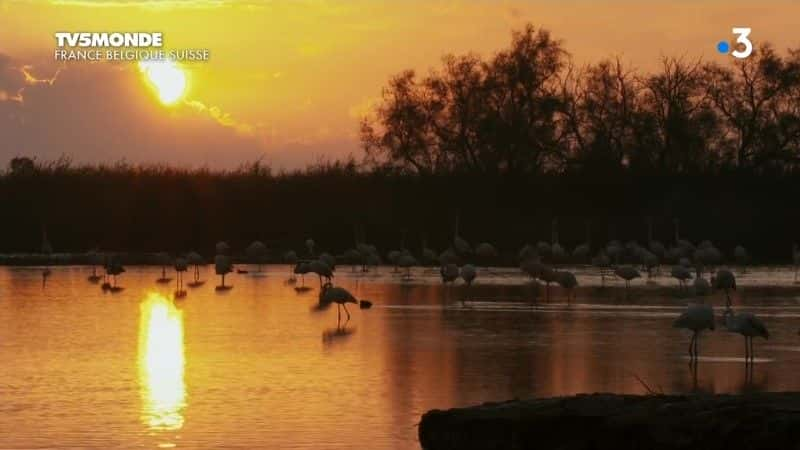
(741, 51)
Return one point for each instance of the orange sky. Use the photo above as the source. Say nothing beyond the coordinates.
(288, 80)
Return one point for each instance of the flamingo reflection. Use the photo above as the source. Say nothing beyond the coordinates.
(161, 363)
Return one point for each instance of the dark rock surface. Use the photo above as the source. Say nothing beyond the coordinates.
(620, 422)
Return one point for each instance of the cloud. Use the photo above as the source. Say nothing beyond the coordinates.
(101, 113)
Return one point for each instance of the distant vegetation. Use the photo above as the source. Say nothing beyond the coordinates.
(507, 143)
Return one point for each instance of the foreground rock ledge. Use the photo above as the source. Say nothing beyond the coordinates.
(620, 422)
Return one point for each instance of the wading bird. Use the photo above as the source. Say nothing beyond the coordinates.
(749, 326)
(222, 267)
(162, 259)
(180, 267)
(697, 317)
(567, 281)
(95, 259)
(256, 252)
(726, 281)
(322, 269)
(340, 296)
(290, 258)
(682, 274)
(195, 260)
(449, 273)
(627, 273)
(468, 274)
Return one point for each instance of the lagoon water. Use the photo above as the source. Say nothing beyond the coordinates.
(260, 366)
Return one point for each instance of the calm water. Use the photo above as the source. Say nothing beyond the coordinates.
(259, 367)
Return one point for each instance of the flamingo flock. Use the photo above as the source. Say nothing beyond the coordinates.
(696, 269)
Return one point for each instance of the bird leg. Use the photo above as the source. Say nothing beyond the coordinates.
(691, 347)
(346, 311)
(339, 312)
(746, 351)
(727, 299)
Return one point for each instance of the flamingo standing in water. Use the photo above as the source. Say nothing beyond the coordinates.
(627, 273)
(749, 326)
(567, 281)
(682, 274)
(222, 266)
(290, 258)
(340, 296)
(47, 250)
(697, 317)
(726, 281)
(195, 260)
(468, 274)
(181, 265)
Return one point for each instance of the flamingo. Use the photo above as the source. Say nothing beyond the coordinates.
(682, 274)
(256, 253)
(548, 275)
(725, 280)
(567, 281)
(468, 274)
(290, 258)
(627, 273)
(322, 269)
(602, 262)
(301, 269)
(195, 260)
(449, 273)
(47, 250)
(95, 259)
(749, 326)
(222, 267)
(340, 296)
(181, 264)
(113, 268)
(697, 317)
(406, 260)
(162, 259)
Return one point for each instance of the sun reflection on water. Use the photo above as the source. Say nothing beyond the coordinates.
(161, 363)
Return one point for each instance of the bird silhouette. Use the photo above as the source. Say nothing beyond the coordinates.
(726, 281)
(749, 326)
(697, 317)
(338, 295)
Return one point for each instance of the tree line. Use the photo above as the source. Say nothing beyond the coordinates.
(529, 109)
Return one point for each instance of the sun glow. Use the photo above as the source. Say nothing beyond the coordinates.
(166, 77)
(161, 363)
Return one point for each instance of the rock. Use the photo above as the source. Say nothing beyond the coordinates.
(365, 304)
(620, 422)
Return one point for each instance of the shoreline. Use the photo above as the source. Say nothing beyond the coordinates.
(618, 421)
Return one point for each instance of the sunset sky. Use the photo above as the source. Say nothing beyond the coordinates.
(288, 80)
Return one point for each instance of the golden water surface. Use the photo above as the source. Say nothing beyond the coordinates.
(260, 366)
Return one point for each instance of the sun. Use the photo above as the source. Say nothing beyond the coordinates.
(168, 79)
